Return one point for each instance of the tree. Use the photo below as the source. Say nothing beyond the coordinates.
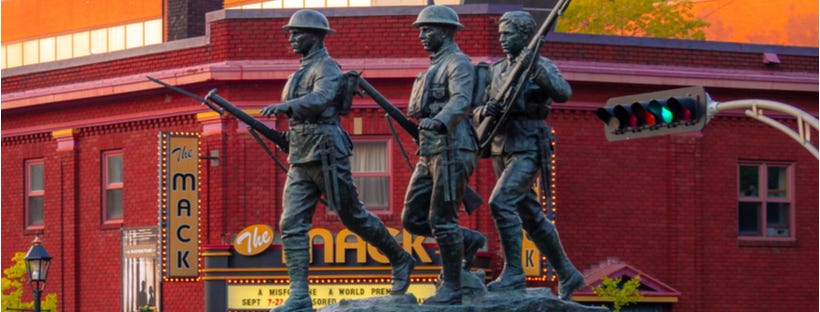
(13, 284)
(621, 294)
(633, 18)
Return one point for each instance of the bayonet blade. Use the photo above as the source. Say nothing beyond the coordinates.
(186, 93)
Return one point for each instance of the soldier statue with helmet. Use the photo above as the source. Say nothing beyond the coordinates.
(319, 152)
(441, 99)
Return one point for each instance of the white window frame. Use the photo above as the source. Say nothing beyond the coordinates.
(762, 198)
(33, 193)
(387, 173)
(108, 186)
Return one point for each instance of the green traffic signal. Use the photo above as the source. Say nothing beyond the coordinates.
(662, 113)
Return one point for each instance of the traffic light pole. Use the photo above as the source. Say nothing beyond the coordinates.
(755, 108)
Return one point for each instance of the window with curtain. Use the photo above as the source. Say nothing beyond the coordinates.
(35, 192)
(112, 187)
(371, 174)
(765, 200)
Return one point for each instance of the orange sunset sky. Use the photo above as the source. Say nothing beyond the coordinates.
(781, 22)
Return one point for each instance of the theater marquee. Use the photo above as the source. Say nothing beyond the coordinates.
(250, 273)
(179, 204)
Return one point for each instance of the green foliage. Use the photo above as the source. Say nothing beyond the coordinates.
(633, 18)
(620, 294)
(13, 283)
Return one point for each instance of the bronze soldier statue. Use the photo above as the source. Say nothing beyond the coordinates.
(441, 101)
(319, 162)
(520, 150)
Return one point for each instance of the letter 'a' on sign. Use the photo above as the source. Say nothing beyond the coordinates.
(655, 113)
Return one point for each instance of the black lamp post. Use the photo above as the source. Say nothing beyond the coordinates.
(37, 263)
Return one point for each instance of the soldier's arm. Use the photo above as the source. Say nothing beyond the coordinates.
(324, 91)
(460, 86)
(548, 77)
(480, 111)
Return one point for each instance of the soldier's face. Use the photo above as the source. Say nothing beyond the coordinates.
(432, 37)
(512, 40)
(301, 41)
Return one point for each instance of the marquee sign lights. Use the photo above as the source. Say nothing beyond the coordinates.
(179, 182)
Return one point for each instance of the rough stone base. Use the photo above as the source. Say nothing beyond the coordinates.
(533, 300)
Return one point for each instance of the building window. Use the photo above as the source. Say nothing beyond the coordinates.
(112, 187)
(765, 201)
(34, 193)
(371, 173)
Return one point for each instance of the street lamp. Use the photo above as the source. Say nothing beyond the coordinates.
(37, 263)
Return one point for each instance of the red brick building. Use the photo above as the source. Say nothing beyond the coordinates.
(82, 133)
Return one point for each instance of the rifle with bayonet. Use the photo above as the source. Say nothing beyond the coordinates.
(471, 198)
(516, 81)
(279, 138)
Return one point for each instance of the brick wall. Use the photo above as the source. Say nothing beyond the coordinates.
(664, 205)
(186, 18)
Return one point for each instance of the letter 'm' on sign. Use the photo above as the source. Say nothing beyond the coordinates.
(179, 202)
(183, 181)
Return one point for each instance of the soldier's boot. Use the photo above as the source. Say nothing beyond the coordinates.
(473, 241)
(298, 259)
(569, 279)
(451, 247)
(401, 261)
(512, 277)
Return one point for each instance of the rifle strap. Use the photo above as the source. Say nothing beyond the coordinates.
(398, 142)
(449, 178)
(328, 158)
(267, 150)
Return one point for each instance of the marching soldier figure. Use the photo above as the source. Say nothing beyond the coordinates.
(319, 162)
(441, 101)
(520, 150)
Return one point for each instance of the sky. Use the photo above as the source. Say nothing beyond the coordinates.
(780, 22)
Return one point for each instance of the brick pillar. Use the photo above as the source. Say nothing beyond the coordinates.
(186, 18)
(67, 156)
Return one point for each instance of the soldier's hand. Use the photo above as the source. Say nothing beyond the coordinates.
(275, 109)
(492, 109)
(431, 124)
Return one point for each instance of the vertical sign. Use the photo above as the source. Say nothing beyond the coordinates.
(179, 203)
(530, 257)
(140, 269)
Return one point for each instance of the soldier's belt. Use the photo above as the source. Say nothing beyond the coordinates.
(319, 122)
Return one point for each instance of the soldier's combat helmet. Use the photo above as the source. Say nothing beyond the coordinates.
(310, 19)
(438, 14)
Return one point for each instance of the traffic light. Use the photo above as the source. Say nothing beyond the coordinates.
(655, 113)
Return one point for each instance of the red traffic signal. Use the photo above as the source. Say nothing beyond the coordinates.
(655, 113)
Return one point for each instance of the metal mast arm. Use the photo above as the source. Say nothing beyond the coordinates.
(754, 109)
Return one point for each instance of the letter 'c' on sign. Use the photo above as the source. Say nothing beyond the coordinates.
(253, 240)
